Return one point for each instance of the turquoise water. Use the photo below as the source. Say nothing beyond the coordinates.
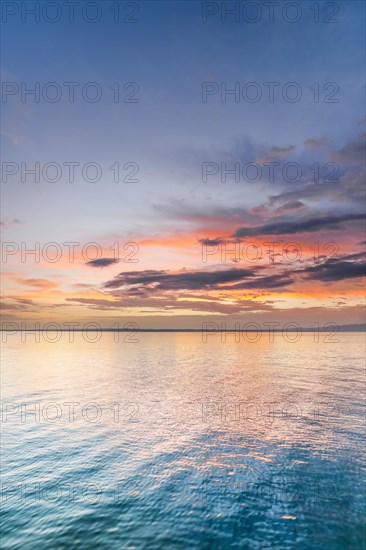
(172, 443)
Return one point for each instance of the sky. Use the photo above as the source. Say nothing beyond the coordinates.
(182, 164)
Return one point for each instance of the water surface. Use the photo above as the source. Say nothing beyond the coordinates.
(172, 443)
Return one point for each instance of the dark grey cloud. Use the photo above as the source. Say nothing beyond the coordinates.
(184, 280)
(102, 262)
(261, 283)
(212, 242)
(293, 205)
(355, 256)
(298, 226)
(334, 270)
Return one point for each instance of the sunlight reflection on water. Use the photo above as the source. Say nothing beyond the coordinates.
(175, 443)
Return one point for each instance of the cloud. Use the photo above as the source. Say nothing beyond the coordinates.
(347, 173)
(314, 143)
(37, 283)
(184, 280)
(272, 281)
(204, 304)
(356, 256)
(353, 152)
(212, 242)
(102, 262)
(334, 270)
(24, 301)
(14, 221)
(281, 151)
(292, 205)
(298, 226)
(268, 154)
(17, 304)
(349, 189)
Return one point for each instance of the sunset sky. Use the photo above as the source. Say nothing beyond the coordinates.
(173, 217)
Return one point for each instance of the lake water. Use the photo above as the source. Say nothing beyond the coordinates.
(170, 442)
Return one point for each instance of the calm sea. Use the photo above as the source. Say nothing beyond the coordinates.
(163, 441)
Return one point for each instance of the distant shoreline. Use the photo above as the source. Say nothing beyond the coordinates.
(344, 328)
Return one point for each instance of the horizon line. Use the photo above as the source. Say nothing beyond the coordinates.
(341, 328)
